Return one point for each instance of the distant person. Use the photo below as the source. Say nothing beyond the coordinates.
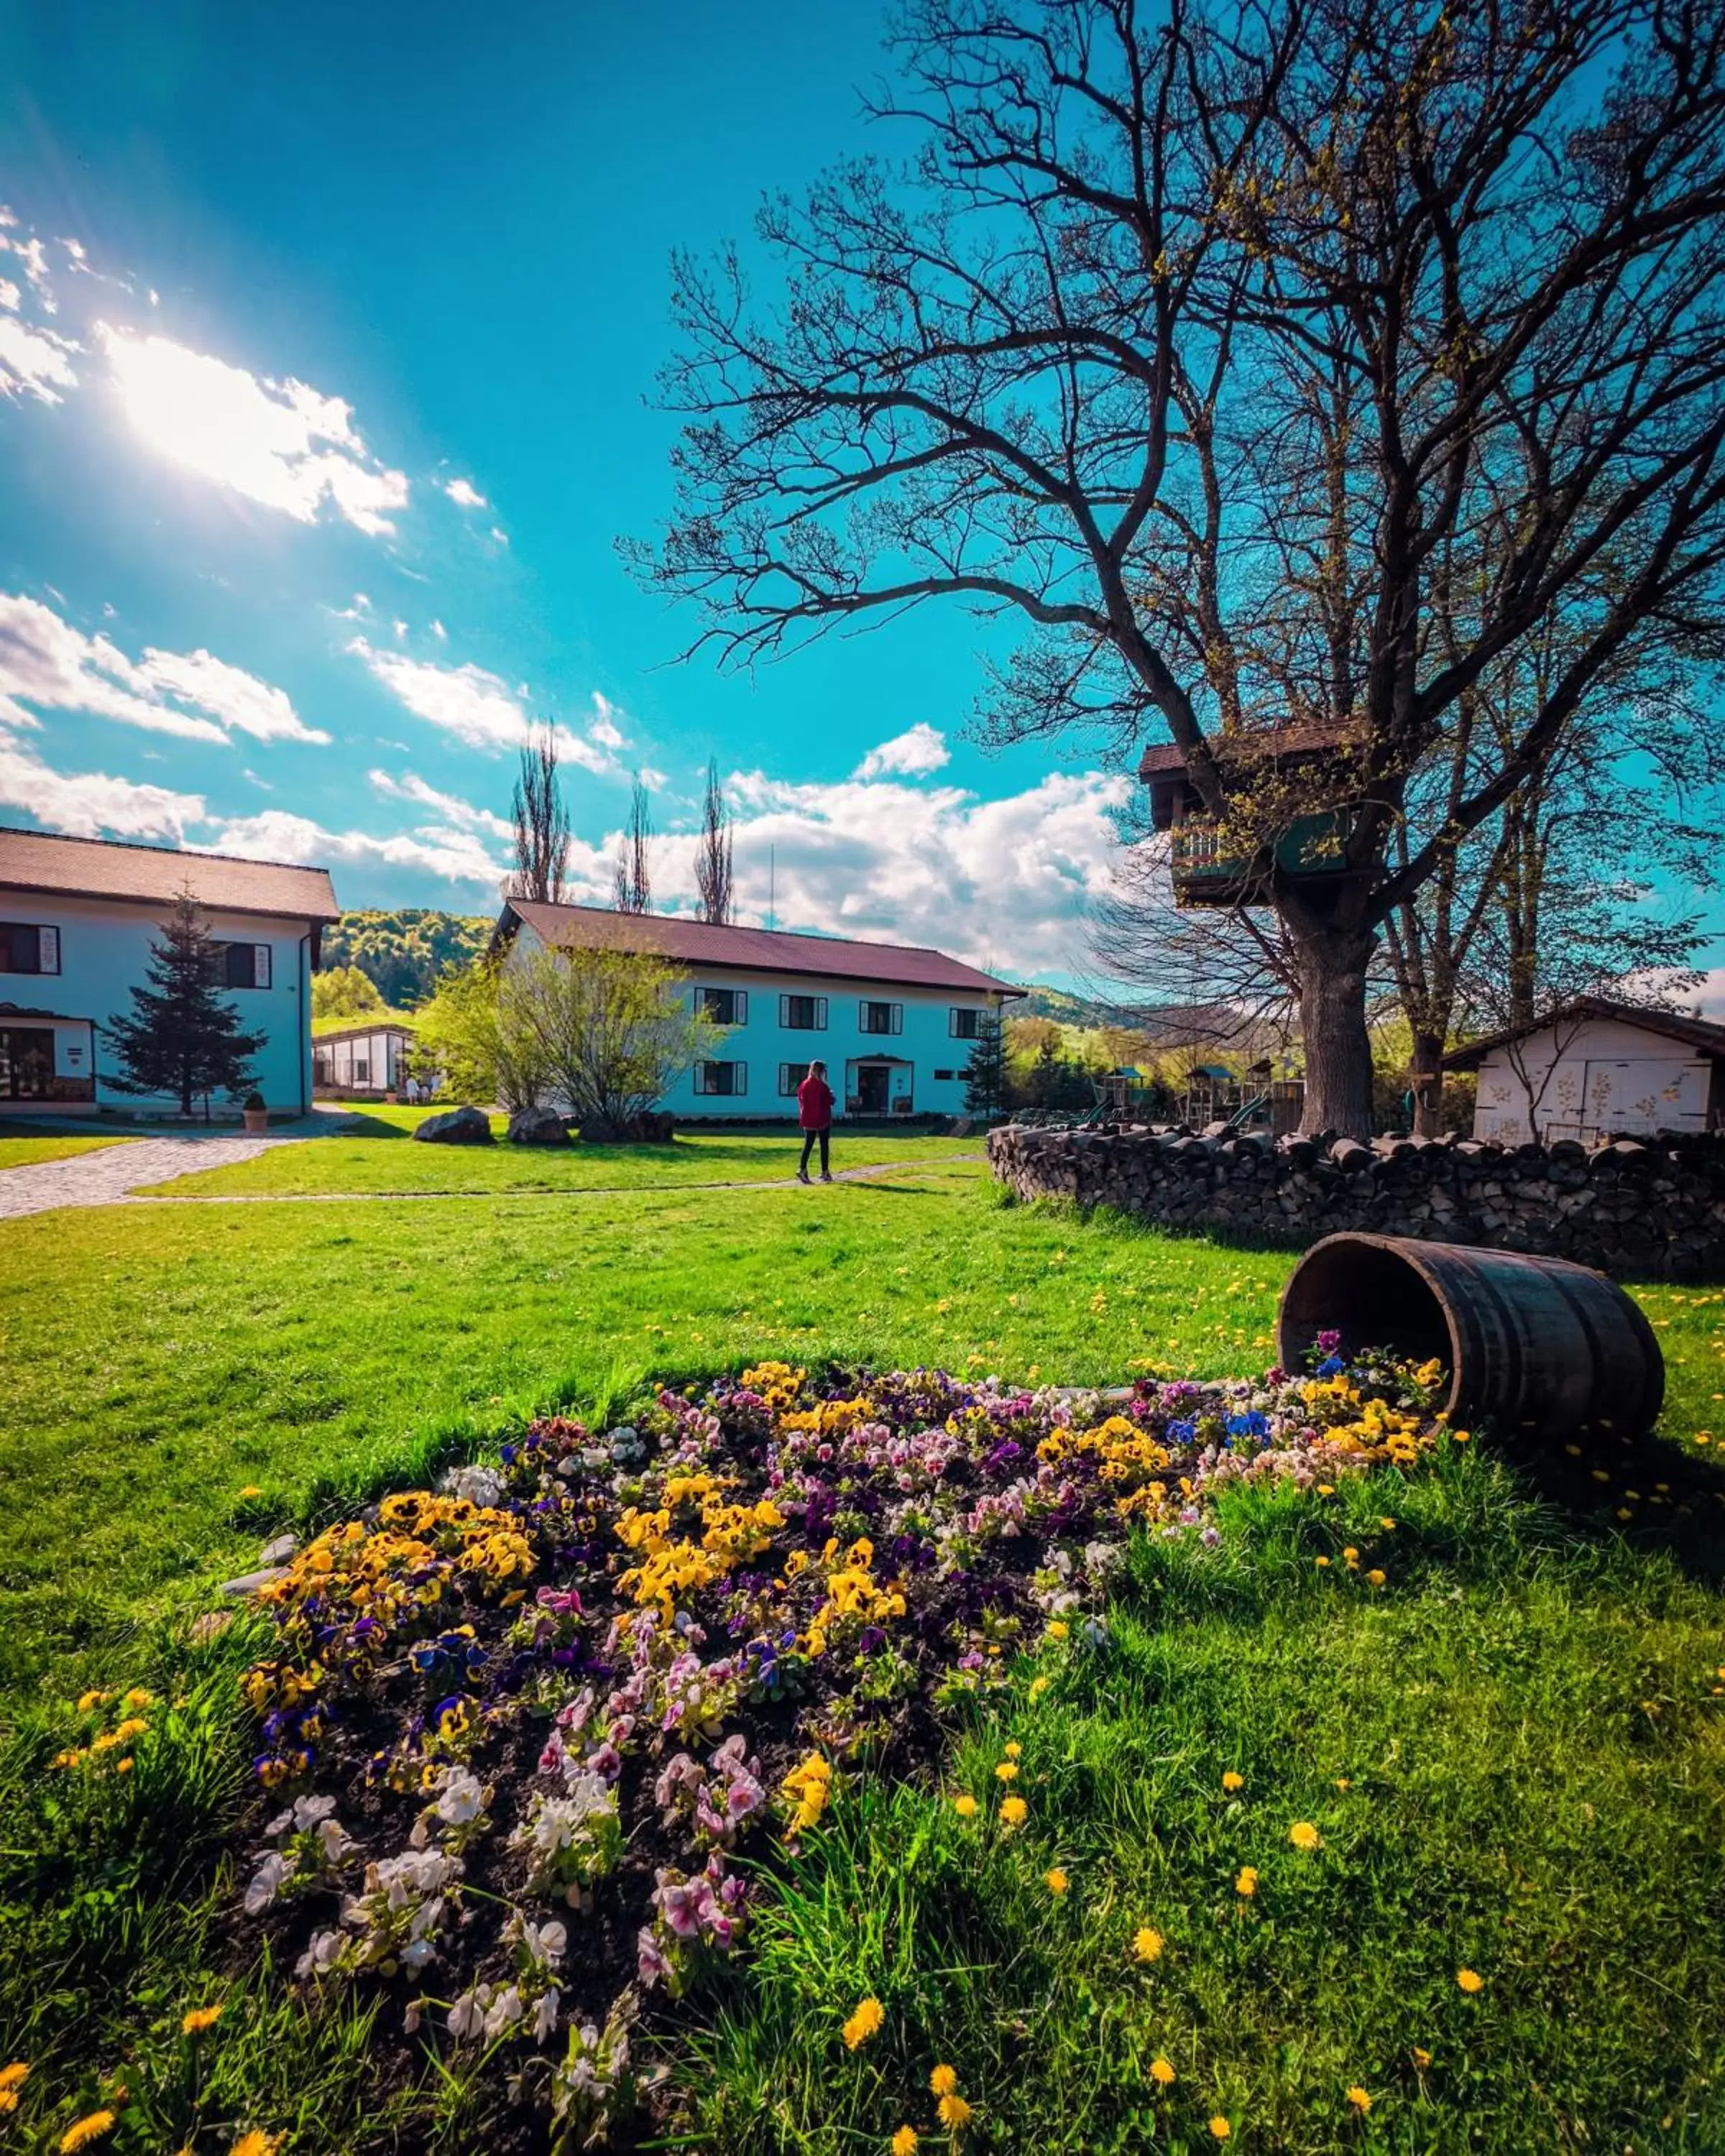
(815, 1112)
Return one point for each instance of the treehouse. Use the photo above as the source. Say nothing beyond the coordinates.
(1275, 775)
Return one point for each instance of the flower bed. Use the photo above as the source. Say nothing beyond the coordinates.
(525, 1739)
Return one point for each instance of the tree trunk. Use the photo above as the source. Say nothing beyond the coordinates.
(1427, 1082)
(1332, 960)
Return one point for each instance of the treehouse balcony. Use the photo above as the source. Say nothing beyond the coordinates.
(1210, 869)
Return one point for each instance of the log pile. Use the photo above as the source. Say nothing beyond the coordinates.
(1644, 1209)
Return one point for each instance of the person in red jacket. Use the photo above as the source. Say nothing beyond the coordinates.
(814, 1113)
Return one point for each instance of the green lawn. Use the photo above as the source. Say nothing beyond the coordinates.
(379, 1157)
(26, 1149)
(1525, 1716)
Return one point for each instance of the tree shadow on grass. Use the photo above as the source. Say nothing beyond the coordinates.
(1648, 1492)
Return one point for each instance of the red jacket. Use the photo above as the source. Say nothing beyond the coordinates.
(814, 1104)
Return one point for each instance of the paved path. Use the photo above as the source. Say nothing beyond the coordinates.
(108, 1176)
(121, 1174)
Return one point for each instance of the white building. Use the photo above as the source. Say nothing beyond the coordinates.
(894, 1023)
(77, 919)
(1598, 1068)
(369, 1057)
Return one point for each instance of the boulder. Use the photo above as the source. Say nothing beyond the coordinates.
(456, 1126)
(536, 1127)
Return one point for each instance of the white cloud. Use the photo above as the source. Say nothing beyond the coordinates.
(282, 444)
(275, 835)
(34, 361)
(912, 755)
(229, 694)
(500, 534)
(410, 786)
(33, 256)
(480, 709)
(10, 296)
(88, 803)
(466, 494)
(604, 728)
(1004, 883)
(439, 632)
(48, 666)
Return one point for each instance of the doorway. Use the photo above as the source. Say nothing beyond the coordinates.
(27, 1063)
(871, 1089)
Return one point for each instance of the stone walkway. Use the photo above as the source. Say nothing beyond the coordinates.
(108, 1177)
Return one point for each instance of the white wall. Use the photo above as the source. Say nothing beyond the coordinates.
(105, 948)
(1604, 1074)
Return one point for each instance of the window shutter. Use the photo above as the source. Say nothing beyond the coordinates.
(741, 1005)
(820, 1013)
(784, 1014)
(47, 950)
(898, 1018)
(260, 965)
(741, 1081)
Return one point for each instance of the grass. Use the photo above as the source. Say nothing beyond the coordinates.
(376, 1159)
(28, 1149)
(1525, 1713)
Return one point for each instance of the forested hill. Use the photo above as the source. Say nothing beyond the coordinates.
(403, 952)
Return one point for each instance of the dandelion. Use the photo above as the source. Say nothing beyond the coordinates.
(953, 2113)
(1305, 1835)
(1014, 1750)
(904, 2142)
(1057, 1881)
(1360, 2099)
(1231, 1781)
(1220, 2127)
(1059, 1629)
(965, 1806)
(1342, 1783)
(1321, 1563)
(11, 2080)
(1038, 1686)
(1014, 1812)
(1421, 2056)
(1147, 1944)
(200, 2019)
(1471, 1980)
(943, 2081)
(83, 2131)
(1246, 1881)
(1374, 1579)
(1007, 1771)
(1459, 1436)
(864, 2023)
(256, 2144)
(1160, 2072)
(90, 1701)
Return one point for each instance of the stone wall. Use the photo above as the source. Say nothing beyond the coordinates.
(1639, 1209)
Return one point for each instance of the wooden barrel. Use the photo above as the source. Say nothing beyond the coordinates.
(1533, 1345)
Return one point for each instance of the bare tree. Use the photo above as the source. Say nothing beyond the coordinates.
(635, 883)
(712, 861)
(542, 822)
(1212, 347)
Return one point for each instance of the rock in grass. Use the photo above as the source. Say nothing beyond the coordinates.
(279, 1551)
(537, 1126)
(249, 1582)
(456, 1126)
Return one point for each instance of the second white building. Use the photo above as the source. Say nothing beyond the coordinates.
(894, 1023)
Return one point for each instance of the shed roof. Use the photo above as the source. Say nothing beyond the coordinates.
(156, 875)
(1699, 1033)
(724, 945)
(363, 1029)
(1163, 759)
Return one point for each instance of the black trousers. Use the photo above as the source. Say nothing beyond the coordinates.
(809, 1138)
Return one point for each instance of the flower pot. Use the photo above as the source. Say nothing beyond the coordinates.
(257, 1120)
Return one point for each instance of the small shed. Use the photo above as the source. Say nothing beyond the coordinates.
(1596, 1068)
(367, 1057)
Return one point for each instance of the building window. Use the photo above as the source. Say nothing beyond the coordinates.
(880, 1018)
(948, 1074)
(361, 1070)
(803, 1014)
(965, 1025)
(724, 1006)
(243, 965)
(727, 1078)
(26, 1063)
(25, 949)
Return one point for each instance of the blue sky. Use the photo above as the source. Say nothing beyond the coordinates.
(276, 286)
(326, 340)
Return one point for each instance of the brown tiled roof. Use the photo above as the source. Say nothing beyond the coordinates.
(1163, 758)
(705, 943)
(1674, 1025)
(156, 875)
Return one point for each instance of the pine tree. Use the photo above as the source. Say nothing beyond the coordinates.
(985, 1073)
(183, 1036)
